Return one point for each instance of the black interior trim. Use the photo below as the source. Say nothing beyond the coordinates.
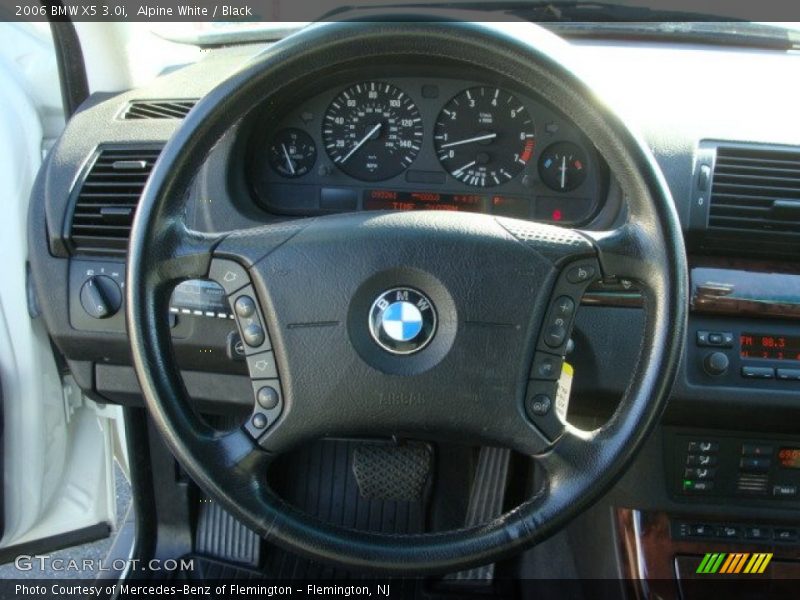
(71, 67)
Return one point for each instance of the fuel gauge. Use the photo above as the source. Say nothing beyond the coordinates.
(292, 153)
(562, 166)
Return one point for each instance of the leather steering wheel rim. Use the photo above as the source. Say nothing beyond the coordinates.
(580, 465)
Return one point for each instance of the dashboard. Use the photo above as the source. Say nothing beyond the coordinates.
(423, 142)
(308, 152)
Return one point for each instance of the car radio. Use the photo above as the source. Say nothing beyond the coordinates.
(734, 352)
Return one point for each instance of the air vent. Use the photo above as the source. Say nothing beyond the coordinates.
(756, 190)
(158, 109)
(107, 199)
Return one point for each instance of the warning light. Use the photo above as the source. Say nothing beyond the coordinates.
(557, 216)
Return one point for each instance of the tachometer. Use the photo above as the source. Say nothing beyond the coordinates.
(372, 131)
(484, 136)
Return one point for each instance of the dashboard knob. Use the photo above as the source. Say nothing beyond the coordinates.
(715, 363)
(101, 296)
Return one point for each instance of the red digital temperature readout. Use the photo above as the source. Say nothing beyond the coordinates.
(775, 347)
(396, 200)
(789, 458)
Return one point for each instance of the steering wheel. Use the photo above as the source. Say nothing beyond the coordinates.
(415, 324)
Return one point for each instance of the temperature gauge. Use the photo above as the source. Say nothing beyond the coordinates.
(292, 153)
(562, 166)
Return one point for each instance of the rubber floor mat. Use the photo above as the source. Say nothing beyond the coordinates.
(320, 480)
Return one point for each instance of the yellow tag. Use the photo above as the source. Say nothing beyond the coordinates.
(564, 388)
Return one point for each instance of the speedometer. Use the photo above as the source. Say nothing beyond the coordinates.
(484, 136)
(372, 131)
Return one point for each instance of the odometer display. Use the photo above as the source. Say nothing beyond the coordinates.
(397, 200)
(372, 131)
(484, 136)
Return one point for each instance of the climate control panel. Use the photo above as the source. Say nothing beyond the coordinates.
(735, 468)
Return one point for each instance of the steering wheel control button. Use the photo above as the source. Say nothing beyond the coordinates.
(402, 320)
(267, 397)
(229, 274)
(262, 366)
(244, 307)
(267, 407)
(564, 306)
(580, 274)
(253, 335)
(555, 335)
(540, 405)
(546, 366)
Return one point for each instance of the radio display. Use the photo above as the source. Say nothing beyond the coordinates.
(789, 458)
(775, 347)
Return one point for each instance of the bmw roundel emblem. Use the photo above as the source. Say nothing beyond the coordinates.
(402, 320)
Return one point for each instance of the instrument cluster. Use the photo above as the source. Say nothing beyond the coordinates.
(425, 144)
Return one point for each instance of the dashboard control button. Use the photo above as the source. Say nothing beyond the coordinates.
(757, 533)
(580, 274)
(701, 460)
(101, 297)
(716, 363)
(236, 349)
(788, 374)
(245, 307)
(700, 530)
(784, 491)
(756, 450)
(229, 274)
(262, 366)
(253, 335)
(729, 532)
(698, 486)
(702, 338)
(699, 473)
(715, 339)
(784, 534)
(546, 366)
(749, 463)
(703, 447)
(267, 397)
(259, 421)
(758, 372)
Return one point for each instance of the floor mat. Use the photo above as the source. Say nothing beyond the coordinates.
(321, 481)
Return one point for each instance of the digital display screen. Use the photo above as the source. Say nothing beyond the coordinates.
(775, 347)
(789, 458)
(404, 200)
